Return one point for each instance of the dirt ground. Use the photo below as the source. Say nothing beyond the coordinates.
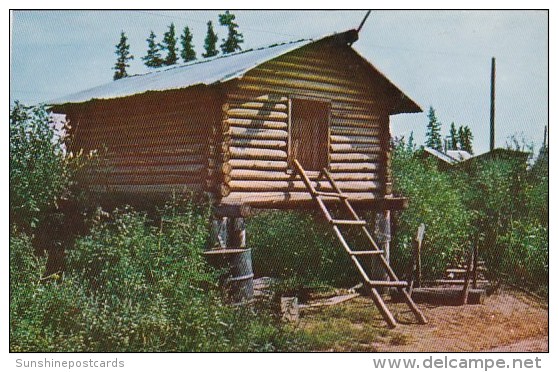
(508, 321)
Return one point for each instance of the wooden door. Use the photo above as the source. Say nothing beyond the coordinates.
(309, 137)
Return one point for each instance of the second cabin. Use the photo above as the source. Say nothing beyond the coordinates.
(232, 126)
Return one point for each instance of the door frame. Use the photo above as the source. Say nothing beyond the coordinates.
(290, 169)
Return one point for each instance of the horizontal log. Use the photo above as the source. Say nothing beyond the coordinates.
(257, 154)
(334, 78)
(152, 169)
(353, 123)
(265, 106)
(353, 157)
(355, 148)
(256, 124)
(355, 139)
(258, 133)
(265, 98)
(354, 167)
(264, 144)
(352, 116)
(201, 148)
(148, 189)
(303, 200)
(149, 179)
(153, 160)
(237, 185)
(343, 131)
(257, 114)
(301, 84)
(147, 139)
(247, 174)
(261, 88)
(223, 167)
(232, 210)
(258, 164)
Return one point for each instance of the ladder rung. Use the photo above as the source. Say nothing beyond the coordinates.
(348, 222)
(365, 253)
(331, 194)
(384, 283)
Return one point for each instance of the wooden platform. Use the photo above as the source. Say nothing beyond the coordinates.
(443, 296)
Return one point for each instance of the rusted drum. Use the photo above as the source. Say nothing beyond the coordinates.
(237, 281)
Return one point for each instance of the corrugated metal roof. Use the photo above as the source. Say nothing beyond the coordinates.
(209, 71)
(215, 70)
(440, 155)
(459, 155)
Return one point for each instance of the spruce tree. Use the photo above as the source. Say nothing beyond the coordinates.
(210, 42)
(465, 136)
(234, 38)
(153, 58)
(453, 138)
(122, 57)
(411, 147)
(187, 53)
(169, 45)
(433, 136)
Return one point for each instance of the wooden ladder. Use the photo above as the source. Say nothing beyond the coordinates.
(375, 252)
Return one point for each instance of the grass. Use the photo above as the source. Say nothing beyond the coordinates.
(352, 326)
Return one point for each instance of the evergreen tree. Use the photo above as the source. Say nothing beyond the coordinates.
(453, 138)
(187, 53)
(169, 44)
(411, 147)
(433, 136)
(153, 58)
(465, 136)
(234, 38)
(123, 56)
(210, 42)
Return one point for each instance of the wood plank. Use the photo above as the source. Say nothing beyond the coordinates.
(257, 114)
(298, 185)
(355, 139)
(258, 164)
(354, 157)
(354, 167)
(355, 148)
(254, 143)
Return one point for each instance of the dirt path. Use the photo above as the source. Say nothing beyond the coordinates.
(508, 321)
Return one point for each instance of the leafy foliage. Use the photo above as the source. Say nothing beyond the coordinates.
(234, 38)
(40, 171)
(210, 42)
(153, 57)
(296, 246)
(187, 53)
(434, 201)
(123, 56)
(134, 284)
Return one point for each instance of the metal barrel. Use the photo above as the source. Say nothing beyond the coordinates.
(237, 280)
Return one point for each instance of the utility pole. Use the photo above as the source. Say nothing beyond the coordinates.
(492, 102)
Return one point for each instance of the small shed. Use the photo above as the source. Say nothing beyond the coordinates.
(231, 126)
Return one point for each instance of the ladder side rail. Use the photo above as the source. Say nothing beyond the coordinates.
(310, 187)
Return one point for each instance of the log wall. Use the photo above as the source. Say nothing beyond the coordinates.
(256, 126)
(154, 143)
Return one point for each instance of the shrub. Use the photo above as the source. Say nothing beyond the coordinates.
(433, 200)
(39, 169)
(297, 246)
(134, 284)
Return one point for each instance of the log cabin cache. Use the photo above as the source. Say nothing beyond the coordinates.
(232, 125)
(251, 129)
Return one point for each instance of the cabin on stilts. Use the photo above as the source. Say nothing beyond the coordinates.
(234, 126)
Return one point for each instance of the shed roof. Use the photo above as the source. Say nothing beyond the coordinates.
(211, 71)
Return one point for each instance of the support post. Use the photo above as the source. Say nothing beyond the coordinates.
(237, 233)
(219, 232)
(382, 232)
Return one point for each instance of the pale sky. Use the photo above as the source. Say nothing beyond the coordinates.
(438, 58)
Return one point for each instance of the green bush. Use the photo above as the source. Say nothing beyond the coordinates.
(299, 247)
(134, 284)
(40, 171)
(435, 201)
(524, 254)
